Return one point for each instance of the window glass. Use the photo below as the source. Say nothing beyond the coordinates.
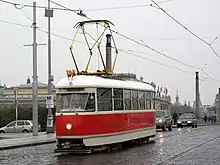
(148, 104)
(77, 102)
(90, 104)
(148, 100)
(118, 99)
(135, 99)
(65, 101)
(141, 100)
(127, 96)
(20, 123)
(160, 114)
(104, 98)
(147, 95)
(12, 124)
(27, 123)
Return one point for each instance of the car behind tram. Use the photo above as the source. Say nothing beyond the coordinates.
(96, 113)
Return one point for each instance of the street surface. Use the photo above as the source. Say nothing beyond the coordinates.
(184, 146)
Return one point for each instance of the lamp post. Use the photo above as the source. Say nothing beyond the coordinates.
(16, 103)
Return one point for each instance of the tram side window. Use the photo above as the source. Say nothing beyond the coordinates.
(141, 100)
(148, 100)
(104, 98)
(127, 96)
(118, 99)
(135, 99)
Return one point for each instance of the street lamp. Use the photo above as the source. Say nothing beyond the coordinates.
(16, 103)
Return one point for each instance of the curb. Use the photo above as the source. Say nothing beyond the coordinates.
(7, 147)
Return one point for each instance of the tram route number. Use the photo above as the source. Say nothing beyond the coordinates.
(49, 101)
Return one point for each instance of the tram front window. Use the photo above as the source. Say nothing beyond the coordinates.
(77, 102)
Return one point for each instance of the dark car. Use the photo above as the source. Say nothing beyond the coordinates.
(187, 120)
(163, 120)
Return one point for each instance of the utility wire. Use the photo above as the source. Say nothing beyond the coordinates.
(13, 23)
(130, 52)
(124, 7)
(145, 45)
(180, 39)
(87, 10)
(21, 6)
(160, 8)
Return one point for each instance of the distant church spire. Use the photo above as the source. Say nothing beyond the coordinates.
(177, 97)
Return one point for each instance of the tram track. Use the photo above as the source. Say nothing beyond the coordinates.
(78, 157)
(156, 138)
(168, 161)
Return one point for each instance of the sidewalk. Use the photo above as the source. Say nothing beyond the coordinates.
(10, 140)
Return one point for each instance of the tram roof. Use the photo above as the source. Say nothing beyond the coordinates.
(83, 81)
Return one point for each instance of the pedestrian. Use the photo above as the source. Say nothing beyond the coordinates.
(205, 119)
(175, 116)
(209, 120)
(214, 118)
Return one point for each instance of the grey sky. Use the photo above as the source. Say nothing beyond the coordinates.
(146, 23)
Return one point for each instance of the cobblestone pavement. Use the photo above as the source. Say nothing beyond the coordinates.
(181, 147)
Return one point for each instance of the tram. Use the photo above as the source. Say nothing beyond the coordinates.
(98, 110)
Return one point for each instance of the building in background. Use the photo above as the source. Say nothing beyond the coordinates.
(1, 91)
(179, 108)
(24, 94)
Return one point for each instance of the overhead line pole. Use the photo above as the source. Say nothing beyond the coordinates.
(35, 81)
(50, 125)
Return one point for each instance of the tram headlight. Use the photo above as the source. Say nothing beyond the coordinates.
(160, 121)
(68, 126)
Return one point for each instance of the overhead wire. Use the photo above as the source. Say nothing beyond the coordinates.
(87, 10)
(124, 7)
(13, 23)
(131, 52)
(145, 45)
(178, 22)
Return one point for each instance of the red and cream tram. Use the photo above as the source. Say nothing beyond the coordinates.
(97, 112)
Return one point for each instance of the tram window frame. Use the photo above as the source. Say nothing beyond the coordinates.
(105, 99)
(127, 99)
(58, 104)
(135, 100)
(141, 100)
(118, 102)
(147, 100)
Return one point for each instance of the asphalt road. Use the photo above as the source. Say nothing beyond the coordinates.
(181, 146)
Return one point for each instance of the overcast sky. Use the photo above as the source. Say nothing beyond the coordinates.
(143, 23)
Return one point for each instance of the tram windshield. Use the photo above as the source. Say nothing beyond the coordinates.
(77, 102)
